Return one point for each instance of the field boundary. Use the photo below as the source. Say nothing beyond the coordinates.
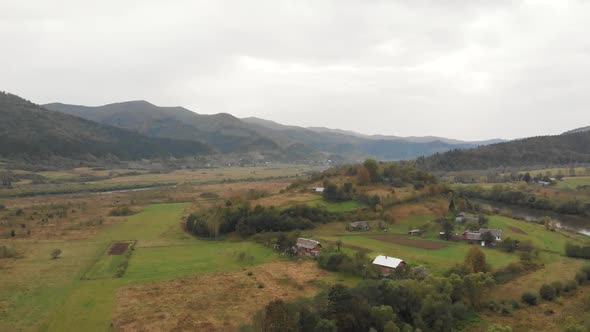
(121, 268)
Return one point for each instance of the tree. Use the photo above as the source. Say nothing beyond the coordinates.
(547, 292)
(12, 233)
(362, 175)
(448, 227)
(475, 261)
(475, 285)
(325, 325)
(338, 244)
(372, 167)
(527, 177)
(390, 327)
(381, 315)
(530, 298)
(277, 318)
(55, 253)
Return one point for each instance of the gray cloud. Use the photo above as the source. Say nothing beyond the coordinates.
(463, 69)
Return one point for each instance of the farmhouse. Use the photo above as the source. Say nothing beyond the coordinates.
(482, 236)
(388, 264)
(463, 218)
(318, 189)
(358, 226)
(308, 247)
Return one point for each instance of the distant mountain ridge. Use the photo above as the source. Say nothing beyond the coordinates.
(541, 150)
(577, 130)
(32, 131)
(227, 134)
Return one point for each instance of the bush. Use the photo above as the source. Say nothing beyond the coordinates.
(2, 207)
(121, 211)
(586, 269)
(570, 286)
(581, 277)
(7, 252)
(530, 298)
(558, 286)
(55, 253)
(547, 292)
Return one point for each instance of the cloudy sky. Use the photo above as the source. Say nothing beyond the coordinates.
(469, 69)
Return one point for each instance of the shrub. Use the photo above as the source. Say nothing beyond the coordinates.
(530, 298)
(570, 285)
(121, 211)
(55, 253)
(2, 207)
(581, 277)
(586, 269)
(260, 285)
(547, 292)
(558, 286)
(7, 252)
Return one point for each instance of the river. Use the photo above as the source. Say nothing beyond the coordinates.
(572, 223)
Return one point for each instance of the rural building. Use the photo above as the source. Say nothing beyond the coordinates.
(388, 264)
(318, 189)
(308, 247)
(414, 232)
(464, 218)
(358, 226)
(479, 236)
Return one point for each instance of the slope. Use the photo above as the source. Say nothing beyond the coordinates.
(29, 130)
(222, 131)
(542, 150)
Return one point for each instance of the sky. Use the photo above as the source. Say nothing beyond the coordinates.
(465, 69)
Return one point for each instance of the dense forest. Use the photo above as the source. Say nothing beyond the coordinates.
(543, 150)
(28, 130)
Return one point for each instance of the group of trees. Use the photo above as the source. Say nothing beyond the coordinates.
(578, 251)
(334, 193)
(431, 304)
(247, 221)
(510, 195)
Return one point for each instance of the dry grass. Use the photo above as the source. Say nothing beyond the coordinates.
(212, 302)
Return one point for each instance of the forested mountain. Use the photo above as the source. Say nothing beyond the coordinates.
(543, 150)
(577, 130)
(224, 132)
(354, 145)
(29, 130)
(229, 134)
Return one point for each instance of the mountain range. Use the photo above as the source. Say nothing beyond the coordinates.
(32, 131)
(225, 133)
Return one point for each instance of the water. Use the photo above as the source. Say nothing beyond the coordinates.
(572, 223)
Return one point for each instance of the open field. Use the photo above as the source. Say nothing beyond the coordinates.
(572, 183)
(217, 301)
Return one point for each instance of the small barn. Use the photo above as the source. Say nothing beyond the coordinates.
(388, 264)
(414, 232)
(308, 247)
(481, 236)
(318, 189)
(358, 226)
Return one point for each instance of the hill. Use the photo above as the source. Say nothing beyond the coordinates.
(541, 150)
(355, 145)
(228, 134)
(577, 130)
(29, 130)
(224, 132)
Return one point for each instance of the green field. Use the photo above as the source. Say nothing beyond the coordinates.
(51, 294)
(551, 243)
(573, 182)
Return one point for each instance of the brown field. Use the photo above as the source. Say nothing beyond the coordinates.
(517, 230)
(213, 302)
(118, 248)
(406, 241)
(434, 206)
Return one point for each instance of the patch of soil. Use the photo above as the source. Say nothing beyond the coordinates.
(517, 230)
(422, 244)
(118, 248)
(218, 301)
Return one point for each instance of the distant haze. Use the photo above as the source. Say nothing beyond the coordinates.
(468, 70)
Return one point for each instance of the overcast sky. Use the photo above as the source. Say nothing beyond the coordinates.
(464, 69)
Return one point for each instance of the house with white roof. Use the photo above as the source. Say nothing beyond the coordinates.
(388, 264)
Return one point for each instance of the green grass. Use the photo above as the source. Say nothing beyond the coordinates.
(436, 261)
(573, 182)
(49, 295)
